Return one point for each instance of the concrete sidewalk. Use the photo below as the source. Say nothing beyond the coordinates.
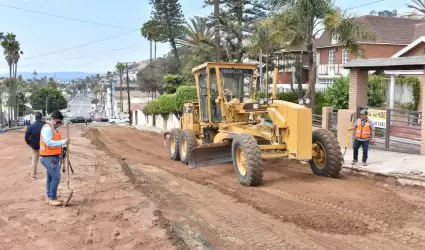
(406, 168)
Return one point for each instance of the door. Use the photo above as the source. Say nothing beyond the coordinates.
(203, 94)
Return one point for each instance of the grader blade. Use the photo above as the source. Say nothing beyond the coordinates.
(210, 154)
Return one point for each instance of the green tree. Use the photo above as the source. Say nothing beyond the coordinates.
(238, 19)
(196, 45)
(167, 106)
(184, 94)
(151, 30)
(172, 82)
(297, 23)
(263, 41)
(120, 70)
(417, 5)
(153, 107)
(170, 18)
(337, 95)
(52, 83)
(50, 96)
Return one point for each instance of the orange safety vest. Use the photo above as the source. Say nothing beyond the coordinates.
(48, 151)
(363, 132)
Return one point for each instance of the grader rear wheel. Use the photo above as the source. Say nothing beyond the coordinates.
(173, 144)
(187, 143)
(326, 160)
(247, 160)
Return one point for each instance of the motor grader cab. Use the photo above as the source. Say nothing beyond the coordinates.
(226, 124)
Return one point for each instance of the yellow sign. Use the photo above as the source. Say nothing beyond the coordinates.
(379, 117)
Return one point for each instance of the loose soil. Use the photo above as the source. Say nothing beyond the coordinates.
(106, 211)
(128, 194)
(293, 208)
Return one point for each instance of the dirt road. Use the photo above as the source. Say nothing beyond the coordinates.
(106, 212)
(294, 209)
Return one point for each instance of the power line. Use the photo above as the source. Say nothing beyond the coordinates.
(366, 4)
(81, 45)
(71, 58)
(63, 17)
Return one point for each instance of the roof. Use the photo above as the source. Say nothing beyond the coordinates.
(399, 63)
(389, 30)
(225, 64)
(137, 106)
(132, 94)
(410, 46)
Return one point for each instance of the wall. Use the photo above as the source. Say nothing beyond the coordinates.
(419, 50)
(143, 120)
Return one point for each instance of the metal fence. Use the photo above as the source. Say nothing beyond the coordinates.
(317, 121)
(333, 122)
(396, 130)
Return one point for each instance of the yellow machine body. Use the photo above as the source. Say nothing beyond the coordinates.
(228, 110)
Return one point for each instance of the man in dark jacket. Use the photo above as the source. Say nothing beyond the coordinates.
(32, 137)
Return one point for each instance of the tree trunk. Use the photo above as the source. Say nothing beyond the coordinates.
(155, 50)
(267, 76)
(240, 23)
(10, 96)
(16, 94)
(121, 99)
(311, 90)
(175, 52)
(150, 44)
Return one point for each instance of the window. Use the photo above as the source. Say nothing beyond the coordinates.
(345, 56)
(332, 57)
(327, 81)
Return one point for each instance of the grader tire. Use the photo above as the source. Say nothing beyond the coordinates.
(247, 160)
(328, 144)
(173, 144)
(187, 143)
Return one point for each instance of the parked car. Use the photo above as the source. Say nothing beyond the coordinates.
(79, 119)
(115, 120)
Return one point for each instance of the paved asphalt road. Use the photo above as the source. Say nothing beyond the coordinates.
(81, 106)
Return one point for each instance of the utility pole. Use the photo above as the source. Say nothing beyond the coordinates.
(130, 115)
(217, 29)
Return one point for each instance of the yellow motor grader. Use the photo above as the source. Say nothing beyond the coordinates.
(227, 124)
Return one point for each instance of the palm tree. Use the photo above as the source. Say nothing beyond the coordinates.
(120, 70)
(8, 52)
(262, 41)
(150, 31)
(298, 22)
(52, 83)
(197, 42)
(418, 5)
(16, 56)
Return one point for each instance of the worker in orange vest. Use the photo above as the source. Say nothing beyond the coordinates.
(51, 144)
(365, 133)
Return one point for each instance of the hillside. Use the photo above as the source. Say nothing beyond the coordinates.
(62, 76)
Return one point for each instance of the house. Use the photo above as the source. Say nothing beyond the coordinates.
(393, 35)
(288, 60)
(136, 97)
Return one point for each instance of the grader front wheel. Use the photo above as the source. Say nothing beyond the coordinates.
(326, 160)
(187, 144)
(173, 144)
(247, 160)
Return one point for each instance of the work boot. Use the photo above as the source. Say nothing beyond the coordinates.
(55, 203)
(364, 163)
(353, 162)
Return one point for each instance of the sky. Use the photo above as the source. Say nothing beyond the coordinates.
(52, 44)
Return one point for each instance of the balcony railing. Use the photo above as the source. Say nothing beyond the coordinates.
(332, 69)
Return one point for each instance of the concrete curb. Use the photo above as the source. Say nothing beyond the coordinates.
(11, 129)
(404, 180)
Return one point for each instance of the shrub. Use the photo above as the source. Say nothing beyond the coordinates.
(337, 94)
(166, 105)
(184, 94)
(153, 107)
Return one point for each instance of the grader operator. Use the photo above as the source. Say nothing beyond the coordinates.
(226, 124)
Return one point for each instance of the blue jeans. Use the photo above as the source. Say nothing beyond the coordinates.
(51, 163)
(356, 147)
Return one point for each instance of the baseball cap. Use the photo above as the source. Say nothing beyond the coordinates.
(363, 112)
